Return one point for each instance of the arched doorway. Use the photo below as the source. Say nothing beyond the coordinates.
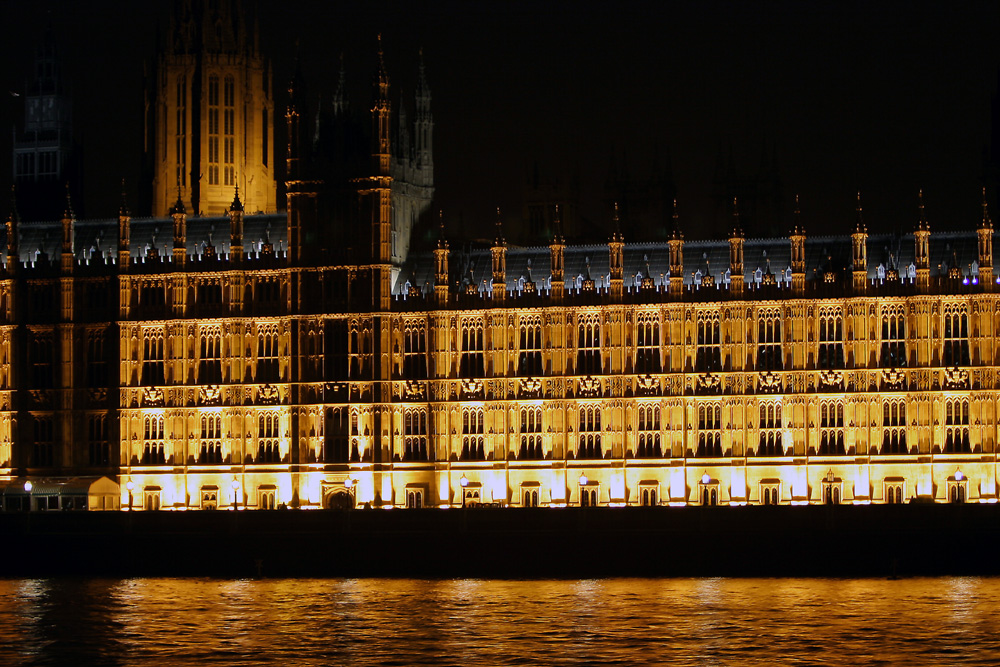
(339, 500)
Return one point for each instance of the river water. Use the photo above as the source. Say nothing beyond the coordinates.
(943, 621)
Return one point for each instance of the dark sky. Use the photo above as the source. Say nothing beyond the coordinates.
(882, 97)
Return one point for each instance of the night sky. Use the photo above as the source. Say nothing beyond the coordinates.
(884, 98)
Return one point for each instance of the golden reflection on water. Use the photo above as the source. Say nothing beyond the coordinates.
(486, 622)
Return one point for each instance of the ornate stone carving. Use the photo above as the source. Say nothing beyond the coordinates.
(589, 386)
(268, 395)
(709, 383)
(472, 388)
(210, 395)
(831, 379)
(529, 387)
(414, 391)
(893, 379)
(152, 397)
(768, 382)
(956, 378)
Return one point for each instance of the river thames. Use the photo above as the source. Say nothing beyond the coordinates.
(944, 621)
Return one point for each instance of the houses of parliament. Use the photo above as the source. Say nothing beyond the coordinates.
(225, 355)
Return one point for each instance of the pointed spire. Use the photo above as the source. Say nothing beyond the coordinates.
(922, 223)
(797, 217)
(237, 205)
(558, 232)
(499, 239)
(675, 232)
(123, 209)
(381, 77)
(178, 208)
(442, 243)
(737, 227)
(13, 215)
(68, 213)
(987, 222)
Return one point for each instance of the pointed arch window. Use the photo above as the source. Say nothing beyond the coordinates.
(589, 444)
(647, 345)
(588, 348)
(529, 360)
(531, 434)
(648, 433)
(770, 443)
(709, 429)
(708, 356)
(893, 349)
(769, 356)
(956, 337)
(831, 423)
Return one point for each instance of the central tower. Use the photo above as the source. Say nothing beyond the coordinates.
(210, 114)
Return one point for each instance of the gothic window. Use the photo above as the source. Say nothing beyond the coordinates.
(414, 498)
(894, 427)
(709, 429)
(43, 447)
(831, 492)
(209, 295)
(210, 359)
(229, 121)
(769, 493)
(211, 439)
(209, 497)
(151, 499)
(956, 337)
(648, 495)
(265, 498)
(473, 440)
(894, 492)
(770, 443)
(180, 131)
(152, 440)
(97, 366)
(647, 344)
(589, 495)
(531, 434)
(42, 362)
(415, 435)
(831, 339)
(213, 130)
(98, 446)
(831, 424)
(265, 138)
(529, 496)
(589, 446)
(472, 361)
(709, 493)
(769, 357)
(893, 352)
(335, 350)
(152, 358)
(268, 369)
(648, 433)
(588, 348)
(337, 432)
(268, 438)
(709, 349)
(958, 490)
(956, 421)
(529, 360)
(414, 351)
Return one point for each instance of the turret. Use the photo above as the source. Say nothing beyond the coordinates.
(859, 252)
(676, 244)
(557, 259)
(499, 252)
(424, 122)
(736, 278)
(68, 224)
(441, 264)
(381, 120)
(236, 228)
(124, 233)
(798, 241)
(616, 258)
(985, 233)
(922, 246)
(179, 214)
(12, 224)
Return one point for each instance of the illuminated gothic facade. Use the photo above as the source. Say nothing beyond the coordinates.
(210, 114)
(297, 360)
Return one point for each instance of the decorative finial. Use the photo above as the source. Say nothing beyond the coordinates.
(123, 209)
(68, 213)
(987, 223)
(499, 227)
(237, 205)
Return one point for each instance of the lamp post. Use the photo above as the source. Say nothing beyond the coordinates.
(236, 491)
(464, 482)
(130, 485)
(28, 486)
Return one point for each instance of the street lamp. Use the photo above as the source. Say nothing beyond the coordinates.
(583, 480)
(130, 486)
(28, 486)
(958, 476)
(236, 491)
(464, 482)
(348, 483)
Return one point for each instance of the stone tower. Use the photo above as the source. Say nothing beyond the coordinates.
(210, 113)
